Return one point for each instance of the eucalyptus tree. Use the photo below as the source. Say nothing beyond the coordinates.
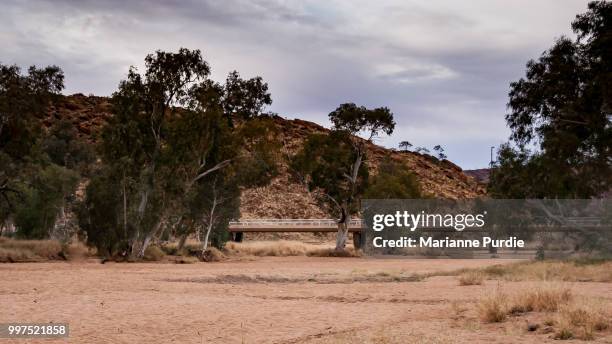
(334, 165)
(168, 135)
(561, 117)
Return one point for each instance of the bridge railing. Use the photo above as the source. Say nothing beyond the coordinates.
(291, 222)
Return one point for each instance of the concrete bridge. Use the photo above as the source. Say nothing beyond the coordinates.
(237, 228)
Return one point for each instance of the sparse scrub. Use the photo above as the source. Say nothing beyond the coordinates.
(284, 248)
(497, 307)
(154, 254)
(329, 252)
(571, 317)
(493, 308)
(11, 255)
(581, 320)
(279, 248)
(548, 299)
(75, 251)
(471, 278)
(569, 271)
(186, 260)
(29, 250)
(212, 254)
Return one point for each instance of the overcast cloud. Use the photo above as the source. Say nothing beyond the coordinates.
(443, 67)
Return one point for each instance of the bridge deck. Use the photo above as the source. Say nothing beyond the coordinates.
(292, 225)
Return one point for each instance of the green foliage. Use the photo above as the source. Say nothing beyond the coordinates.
(334, 166)
(36, 214)
(563, 105)
(174, 153)
(100, 215)
(244, 99)
(64, 148)
(405, 146)
(36, 176)
(326, 163)
(357, 119)
(23, 101)
(393, 181)
(440, 150)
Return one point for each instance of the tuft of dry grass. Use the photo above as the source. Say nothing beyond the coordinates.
(76, 251)
(12, 250)
(185, 260)
(330, 252)
(570, 271)
(581, 320)
(471, 278)
(212, 254)
(543, 299)
(154, 253)
(284, 248)
(493, 308)
(496, 307)
(11, 255)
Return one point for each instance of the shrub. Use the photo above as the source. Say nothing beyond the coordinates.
(580, 320)
(471, 278)
(28, 250)
(493, 308)
(212, 254)
(542, 299)
(154, 253)
(75, 251)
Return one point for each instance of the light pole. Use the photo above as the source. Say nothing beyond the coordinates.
(491, 163)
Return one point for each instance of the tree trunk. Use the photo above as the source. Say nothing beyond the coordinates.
(147, 240)
(342, 235)
(211, 218)
(205, 243)
(181, 243)
(124, 208)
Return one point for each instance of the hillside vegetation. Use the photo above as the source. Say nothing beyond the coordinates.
(283, 197)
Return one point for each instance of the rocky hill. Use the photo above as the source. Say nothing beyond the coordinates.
(481, 175)
(284, 198)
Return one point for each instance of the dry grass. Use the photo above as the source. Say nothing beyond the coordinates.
(185, 260)
(493, 308)
(154, 254)
(581, 320)
(570, 316)
(496, 307)
(284, 248)
(542, 299)
(471, 278)
(383, 335)
(570, 271)
(212, 254)
(77, 251)
(29, 250)
(192, 247)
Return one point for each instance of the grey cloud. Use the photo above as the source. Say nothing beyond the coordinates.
(442, 67)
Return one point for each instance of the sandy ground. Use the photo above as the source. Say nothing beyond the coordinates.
(266, 300)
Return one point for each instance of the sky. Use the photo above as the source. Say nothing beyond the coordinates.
(443, 67)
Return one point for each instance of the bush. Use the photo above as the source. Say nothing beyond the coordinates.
(493, 308)
(154, 254)
(471, 278)
(75, 251)
(580, 320)
(212, 255)
(541, 300)
(29, 250)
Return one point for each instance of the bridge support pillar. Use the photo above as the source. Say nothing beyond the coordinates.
(237, 236)
(357, 240)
